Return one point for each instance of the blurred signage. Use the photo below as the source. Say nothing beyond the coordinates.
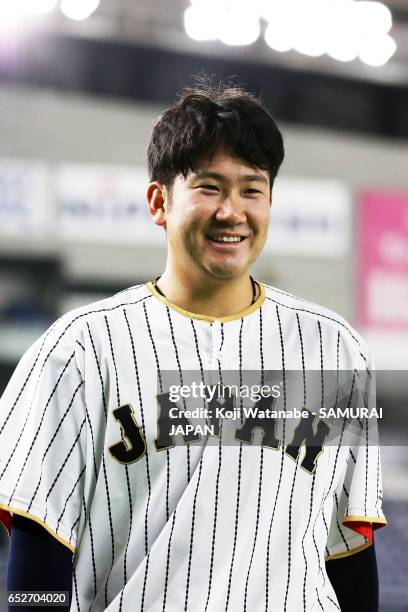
(104, 204)
(310, 217)
(24, 201)
(383, 255)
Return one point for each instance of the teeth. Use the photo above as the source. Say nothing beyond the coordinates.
(226, 238)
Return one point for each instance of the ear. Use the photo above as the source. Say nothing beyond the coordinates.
(157, 202)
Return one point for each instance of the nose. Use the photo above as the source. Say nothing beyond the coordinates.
(231, 210)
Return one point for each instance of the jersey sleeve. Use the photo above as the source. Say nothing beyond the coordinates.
(357, 504)
(43, 438)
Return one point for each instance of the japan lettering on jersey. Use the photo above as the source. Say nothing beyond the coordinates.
(157, 525)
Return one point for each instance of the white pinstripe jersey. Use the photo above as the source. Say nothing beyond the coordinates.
(192, 527)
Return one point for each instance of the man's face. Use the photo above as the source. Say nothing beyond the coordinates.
(223, 199)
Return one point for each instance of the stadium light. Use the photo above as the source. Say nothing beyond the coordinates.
(311, 29)
(343, 49)
(376, 51)
(343, 29)
(9, 12)
(200, 24)
(280, 33)
(235, 24)
(240, 28)
(38, 7)
(373, 17)
(277, 38)
(343, 34)
(13, 11)
(78, 10)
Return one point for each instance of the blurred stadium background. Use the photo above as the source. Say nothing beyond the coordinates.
(81, 83)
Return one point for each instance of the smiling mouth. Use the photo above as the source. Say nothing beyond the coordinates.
(225, 240)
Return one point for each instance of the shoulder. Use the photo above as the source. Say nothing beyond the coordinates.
(66, 335)
(309, 314)
(75, 320)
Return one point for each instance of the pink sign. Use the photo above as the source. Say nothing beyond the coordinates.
(383, 258)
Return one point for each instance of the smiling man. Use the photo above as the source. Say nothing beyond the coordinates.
(217, 221)
(116, 507)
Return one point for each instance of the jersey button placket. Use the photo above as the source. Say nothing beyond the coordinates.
(216, 340)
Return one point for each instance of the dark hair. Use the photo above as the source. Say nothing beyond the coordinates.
(207, 117)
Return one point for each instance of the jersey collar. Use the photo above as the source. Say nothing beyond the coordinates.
(192, 315)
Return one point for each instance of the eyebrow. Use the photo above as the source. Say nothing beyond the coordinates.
(220, 177)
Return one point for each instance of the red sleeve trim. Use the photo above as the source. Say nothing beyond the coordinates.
(6, 519)
(362, 528)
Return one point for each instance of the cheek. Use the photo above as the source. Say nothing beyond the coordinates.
(262, 220)
(182, 230)
(189, 213)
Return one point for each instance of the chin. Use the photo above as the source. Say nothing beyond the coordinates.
(227, 273)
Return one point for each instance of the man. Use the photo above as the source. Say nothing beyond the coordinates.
(157, 521)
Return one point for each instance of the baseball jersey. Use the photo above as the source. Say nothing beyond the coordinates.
(160, 522)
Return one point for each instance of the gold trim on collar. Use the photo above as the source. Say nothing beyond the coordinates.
(193, 315)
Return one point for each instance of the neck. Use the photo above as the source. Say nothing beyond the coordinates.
(220, 298)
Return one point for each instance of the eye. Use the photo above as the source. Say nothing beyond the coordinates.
(212, 187)
(253, 191)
